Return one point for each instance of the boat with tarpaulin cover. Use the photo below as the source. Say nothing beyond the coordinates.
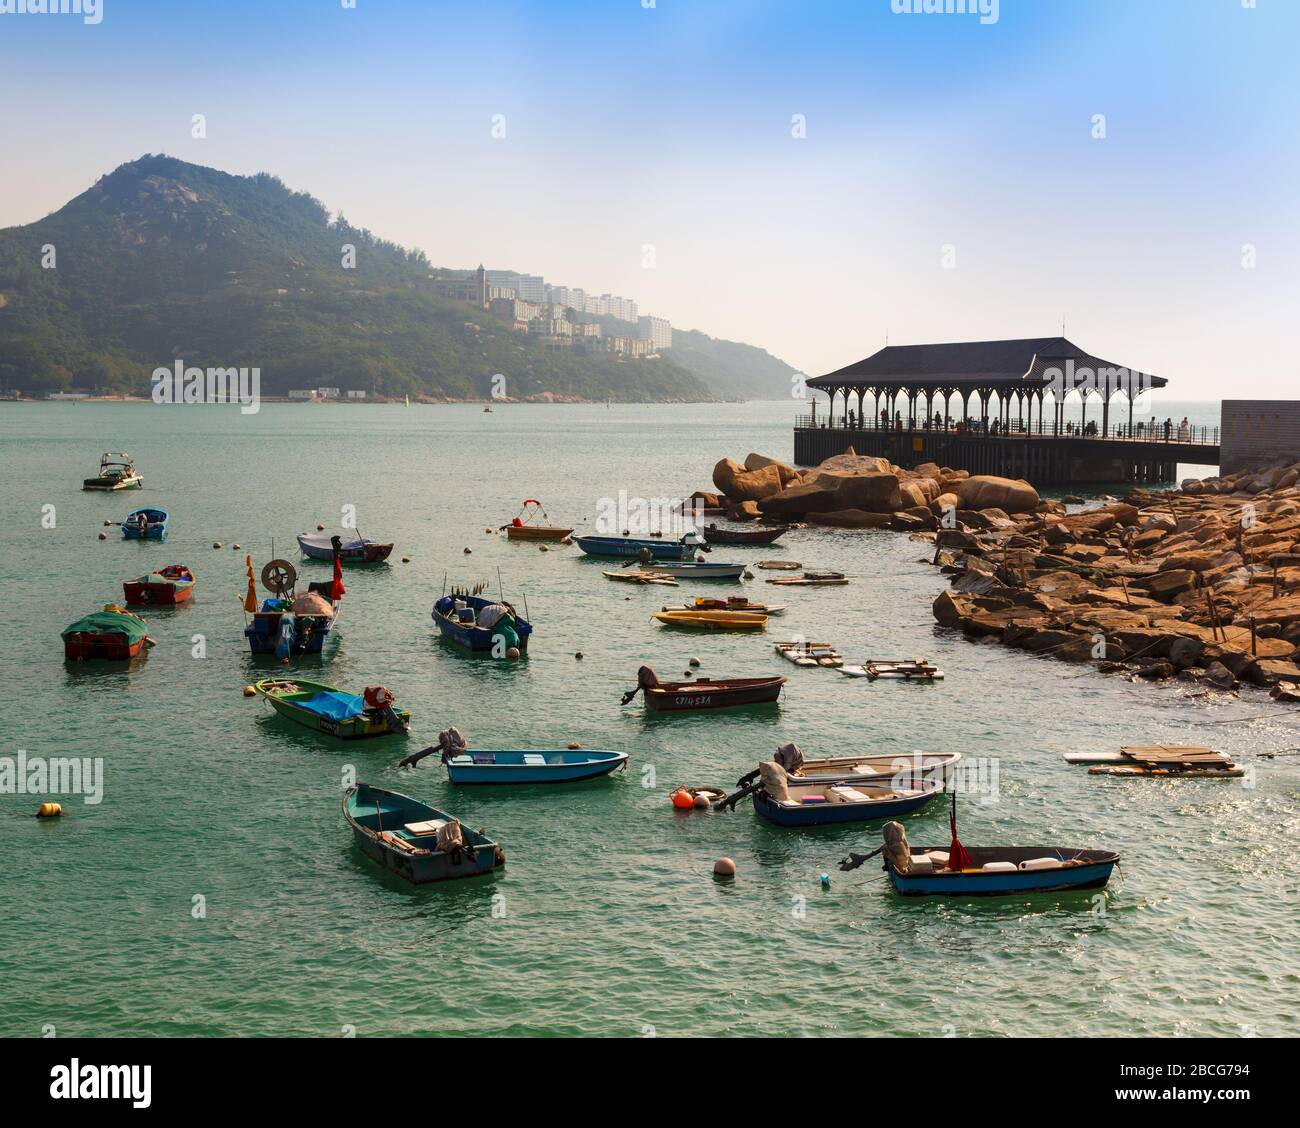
(335, 712)
(414, 840)
(351, 549)
(113, 634)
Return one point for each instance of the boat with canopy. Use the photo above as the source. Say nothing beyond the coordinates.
(526, 526)
(116, 472)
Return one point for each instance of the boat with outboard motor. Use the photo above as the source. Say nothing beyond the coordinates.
(290, 623)
(352, 549)
(116, 472)
(323, 708)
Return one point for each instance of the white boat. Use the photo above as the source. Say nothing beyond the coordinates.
(116, 472)
(917, 669)
(697, 570)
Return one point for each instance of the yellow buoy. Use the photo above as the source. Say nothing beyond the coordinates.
(406, 559)
(49, 811)
(249, 691)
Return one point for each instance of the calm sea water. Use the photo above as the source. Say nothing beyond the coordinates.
(606, 920)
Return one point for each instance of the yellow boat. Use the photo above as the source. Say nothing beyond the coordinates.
(713, 620)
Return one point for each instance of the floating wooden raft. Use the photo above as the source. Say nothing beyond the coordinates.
(1187, 761)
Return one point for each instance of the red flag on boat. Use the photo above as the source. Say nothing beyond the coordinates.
(958, 856)
(337, 591)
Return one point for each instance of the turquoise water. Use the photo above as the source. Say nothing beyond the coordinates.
(606, 920)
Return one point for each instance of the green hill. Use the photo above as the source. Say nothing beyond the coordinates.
(732, 369)
(162, 259)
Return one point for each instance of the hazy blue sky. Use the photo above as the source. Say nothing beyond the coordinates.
(672, 126)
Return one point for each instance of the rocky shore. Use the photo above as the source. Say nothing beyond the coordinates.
(1200, 583)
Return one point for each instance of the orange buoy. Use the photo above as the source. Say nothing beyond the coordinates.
(682, 799)
(49, 811)
(724, 867)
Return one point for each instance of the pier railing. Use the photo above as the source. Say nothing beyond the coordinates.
(1153, 431)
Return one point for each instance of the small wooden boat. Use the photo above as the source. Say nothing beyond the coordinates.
(809, 653)
(812, 579)
(619, 547)
(779, 565)
(112, 634)
(543, 765)
(701, 570)
(642, 577)
(716, 693)
(712, 620)
(731, 603)
(984, 871)
(480, 624)
(714, 535)
(116, 472)
(167, 587)
(145, 524)
(321, 707)
(850, 769)
(998, 871)
(520, 529)
(917, 669)
(791, 803)
(1163, 760)
(351, 550)
(416, 841)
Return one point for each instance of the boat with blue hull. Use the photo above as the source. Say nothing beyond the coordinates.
(1016, 869)
(414, 840)
(289, 623)
(480, 624)
(822, 805)
(543, 765)
(659, 549)
(145, 524)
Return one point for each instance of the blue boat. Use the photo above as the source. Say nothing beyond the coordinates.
(145, 524)
(660, 549)
(277, 629)
(416, 841)
(1012, 869)
(480, 624)
(351, 550)
(548, 765)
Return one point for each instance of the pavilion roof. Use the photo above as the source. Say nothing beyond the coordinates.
(968, 364)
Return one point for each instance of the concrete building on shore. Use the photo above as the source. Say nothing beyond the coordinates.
(657, 331)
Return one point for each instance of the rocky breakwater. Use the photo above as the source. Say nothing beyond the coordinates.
(852, 491)
(1200, 583)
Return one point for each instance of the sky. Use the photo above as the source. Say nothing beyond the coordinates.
(814, 177)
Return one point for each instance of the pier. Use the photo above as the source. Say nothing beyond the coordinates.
(1037, 408)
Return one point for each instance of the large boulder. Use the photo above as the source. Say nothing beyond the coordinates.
(802, 498)
(761, 462)
(853, 463)
(739, 484)
(874, 491)
(985, 490)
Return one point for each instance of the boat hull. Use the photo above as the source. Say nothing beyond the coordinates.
(712, 620)
(536, 533)
(684, 697)
(618, 547)
(109, 485)
(354, 728)
(714, 535)
(263, 633)
(156, 595)
(886, 769)
(692, 571)
(1091, 874)
(826, 814)
(88, 646)
(510, 768)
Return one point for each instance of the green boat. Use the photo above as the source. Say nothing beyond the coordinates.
(318, 706)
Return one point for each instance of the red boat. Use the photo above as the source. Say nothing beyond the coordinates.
(111, 634)
(166, 587)
(716, 693)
